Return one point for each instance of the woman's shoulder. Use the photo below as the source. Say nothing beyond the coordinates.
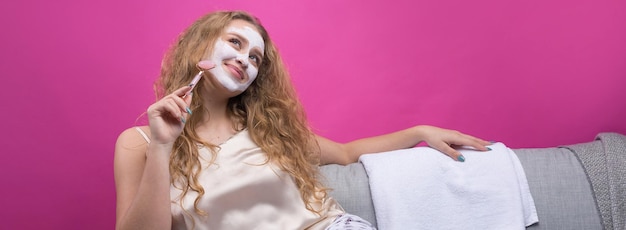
(134, 138)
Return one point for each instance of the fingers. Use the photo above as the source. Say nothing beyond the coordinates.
(177, 96)
(469, 141)
(479, 141)
(174, 109)
(181, 91)
(465, 140)
(450, 141)
(173, 105)
(451, 152)
(183, 102)
(476, 143)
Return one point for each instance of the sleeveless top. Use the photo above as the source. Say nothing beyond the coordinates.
(244, 192)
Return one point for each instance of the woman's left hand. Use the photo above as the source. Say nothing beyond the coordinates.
(446, 140)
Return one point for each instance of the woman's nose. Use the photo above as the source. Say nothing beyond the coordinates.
(242, 62)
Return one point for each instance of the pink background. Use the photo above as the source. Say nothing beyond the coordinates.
(76, 73)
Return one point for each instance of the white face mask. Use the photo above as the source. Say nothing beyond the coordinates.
(224, 54)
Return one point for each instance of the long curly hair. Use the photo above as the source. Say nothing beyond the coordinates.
(269, 109)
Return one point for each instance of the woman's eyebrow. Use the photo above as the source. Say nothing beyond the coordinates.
(240, 36)
(258, 51)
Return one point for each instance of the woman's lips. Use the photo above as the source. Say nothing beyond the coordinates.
(236, 72)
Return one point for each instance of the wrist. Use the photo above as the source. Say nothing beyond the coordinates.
(419, 133)
(159, 150)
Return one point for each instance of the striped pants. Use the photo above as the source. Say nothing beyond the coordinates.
(350, 222)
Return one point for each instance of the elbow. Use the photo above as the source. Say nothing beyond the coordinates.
(348, 157)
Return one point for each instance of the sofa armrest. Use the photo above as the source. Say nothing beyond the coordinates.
(560, 188)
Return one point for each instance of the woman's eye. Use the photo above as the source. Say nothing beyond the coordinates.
(254, 58)
(235, 41)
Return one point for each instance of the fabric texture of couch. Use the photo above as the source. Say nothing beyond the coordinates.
(581, 186)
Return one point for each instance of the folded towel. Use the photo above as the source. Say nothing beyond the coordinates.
(421, 188)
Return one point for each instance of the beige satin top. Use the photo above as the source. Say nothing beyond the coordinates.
(243, 193)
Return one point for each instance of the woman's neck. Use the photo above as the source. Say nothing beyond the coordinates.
(217, 129)
(218, 124)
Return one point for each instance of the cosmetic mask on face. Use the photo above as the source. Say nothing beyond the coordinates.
(223, 51)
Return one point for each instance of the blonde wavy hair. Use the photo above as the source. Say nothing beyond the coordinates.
(268, 108)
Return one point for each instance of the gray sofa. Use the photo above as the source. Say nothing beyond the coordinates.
(581, 186)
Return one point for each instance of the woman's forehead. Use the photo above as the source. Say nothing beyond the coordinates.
(248, 31)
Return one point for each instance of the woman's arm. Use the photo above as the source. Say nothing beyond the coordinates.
(142, 173)
(438, 138)
(142, 183)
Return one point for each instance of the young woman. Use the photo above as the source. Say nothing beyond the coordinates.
(235, 151)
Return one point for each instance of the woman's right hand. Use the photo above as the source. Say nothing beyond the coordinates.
(167, 117)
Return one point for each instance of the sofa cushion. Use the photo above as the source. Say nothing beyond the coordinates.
(350, 187)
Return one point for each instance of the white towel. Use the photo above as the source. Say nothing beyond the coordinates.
(421, 188)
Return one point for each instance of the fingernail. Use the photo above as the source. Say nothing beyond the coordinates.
(492, 142)
(489, 149)
(461, 158)
(183, 120)
(188, 110)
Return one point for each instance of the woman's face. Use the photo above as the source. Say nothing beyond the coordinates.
(237, 55)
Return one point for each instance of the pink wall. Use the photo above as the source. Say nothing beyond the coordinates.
(76, 73)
